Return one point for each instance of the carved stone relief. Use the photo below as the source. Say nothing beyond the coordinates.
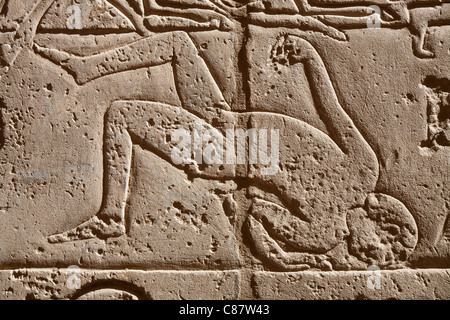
(222, 148)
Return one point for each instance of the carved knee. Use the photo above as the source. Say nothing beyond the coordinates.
(115, 115)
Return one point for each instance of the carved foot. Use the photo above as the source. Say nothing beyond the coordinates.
(93, 228)
(423, 54)
(70, 63)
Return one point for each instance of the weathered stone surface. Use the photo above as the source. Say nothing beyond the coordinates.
(224, 149)
(81, 284)
(431, 284)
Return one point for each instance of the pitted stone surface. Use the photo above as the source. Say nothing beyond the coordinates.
(238, 149)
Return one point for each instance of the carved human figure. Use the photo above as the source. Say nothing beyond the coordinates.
(417, 15)
(196, 88)
(166, 15)
(338, 160)
(322, 177)
(421, 20)
(193, 81)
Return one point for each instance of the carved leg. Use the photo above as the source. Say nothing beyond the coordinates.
(135, 18)
(296, 21)
(196, 87)
(24, 35)
(200, 11)
(321, 176)
(159, 23)
(150, 125)
(307, 8)
(110, 221)
(419, 27)
(197, 90)
(151, 51)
